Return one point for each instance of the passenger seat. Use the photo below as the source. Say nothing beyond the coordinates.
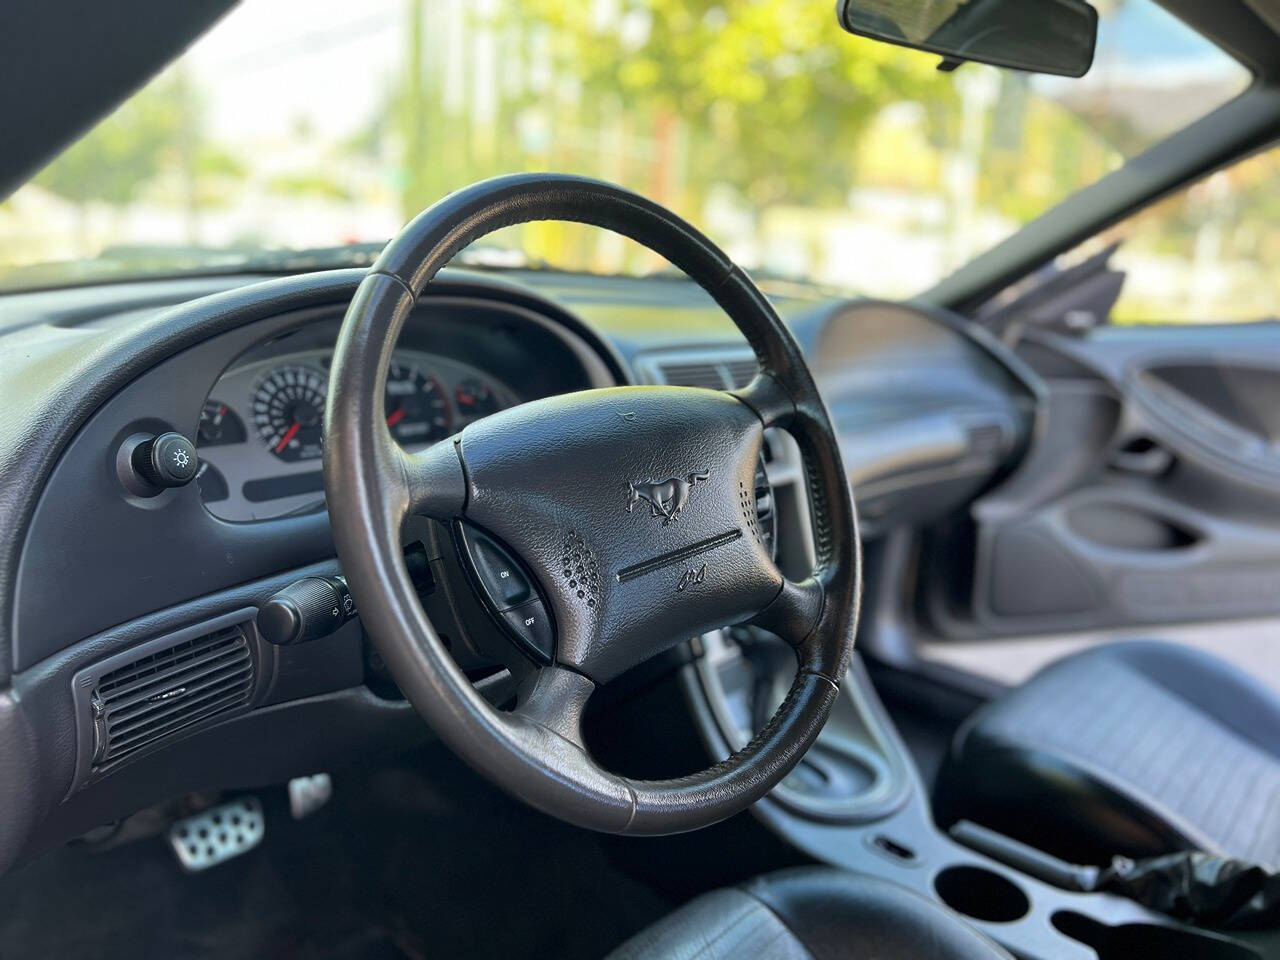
(1135, 748)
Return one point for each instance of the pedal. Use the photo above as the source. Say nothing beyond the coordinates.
(216, 835)
(309, 794)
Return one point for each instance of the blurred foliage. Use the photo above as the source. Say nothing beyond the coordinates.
(309, 183)
(674, 98)
(679, 99)
(115, 161)
(1225, 223)
(771, 98)
(761, 94)
(757, 119)
(158, 130)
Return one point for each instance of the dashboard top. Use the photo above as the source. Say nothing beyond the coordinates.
(634, 313)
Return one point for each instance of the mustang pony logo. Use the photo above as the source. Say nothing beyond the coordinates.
(667, 498)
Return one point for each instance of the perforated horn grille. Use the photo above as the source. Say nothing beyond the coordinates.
(757, 507)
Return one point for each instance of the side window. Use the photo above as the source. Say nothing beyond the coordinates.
(1208, 254)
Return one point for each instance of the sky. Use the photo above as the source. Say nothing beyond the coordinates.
(332, 75)
(333, 72)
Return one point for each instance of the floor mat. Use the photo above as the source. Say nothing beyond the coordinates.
(421, 859)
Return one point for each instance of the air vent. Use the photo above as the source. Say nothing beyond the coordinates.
(986, 439)
(716, 371)
(182, 683)
(741, 371)
(706, 375)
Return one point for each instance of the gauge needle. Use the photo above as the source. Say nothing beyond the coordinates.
(288, 435)
(396, 417)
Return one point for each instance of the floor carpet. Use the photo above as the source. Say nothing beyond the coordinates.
(415, 860)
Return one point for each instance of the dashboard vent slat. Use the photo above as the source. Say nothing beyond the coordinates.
(138, 699)
(157, 695)
(714, 371)
(173, 700)
(693, 375)
(121, 745)
(986, 439)
(741, 371)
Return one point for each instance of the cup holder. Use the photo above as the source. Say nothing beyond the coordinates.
(981, 894)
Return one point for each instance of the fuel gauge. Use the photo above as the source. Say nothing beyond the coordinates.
(219, 425)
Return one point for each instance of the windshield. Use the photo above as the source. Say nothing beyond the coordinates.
(806, 153)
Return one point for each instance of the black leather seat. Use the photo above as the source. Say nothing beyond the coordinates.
(811, 912)
(1130, 748)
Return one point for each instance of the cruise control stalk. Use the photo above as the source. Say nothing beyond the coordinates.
(316, 607)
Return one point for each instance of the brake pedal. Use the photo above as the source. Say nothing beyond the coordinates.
(309, 794)
(218, 834)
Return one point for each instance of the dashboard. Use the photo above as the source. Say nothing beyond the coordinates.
(102, 580)
(260, 435)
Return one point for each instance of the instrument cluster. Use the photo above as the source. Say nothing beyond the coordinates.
(261, 432)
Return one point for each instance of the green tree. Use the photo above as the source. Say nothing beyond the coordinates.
(117, 158)
(158, 129)
(768, 96)
(772, 96)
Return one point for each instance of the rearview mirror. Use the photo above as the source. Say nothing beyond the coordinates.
(1043, 36)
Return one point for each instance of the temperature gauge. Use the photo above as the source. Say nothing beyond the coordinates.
(417, 407)
(476, 398)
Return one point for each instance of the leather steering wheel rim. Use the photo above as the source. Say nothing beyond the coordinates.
(536, 751)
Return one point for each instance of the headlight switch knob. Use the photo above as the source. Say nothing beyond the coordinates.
(167, 460)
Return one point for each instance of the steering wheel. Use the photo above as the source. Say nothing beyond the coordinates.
(609, 497)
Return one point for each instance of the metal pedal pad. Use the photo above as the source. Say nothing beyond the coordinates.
(309, 794)
(218, 834)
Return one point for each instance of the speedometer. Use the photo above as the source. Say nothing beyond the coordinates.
(417, 408)
(288, 410)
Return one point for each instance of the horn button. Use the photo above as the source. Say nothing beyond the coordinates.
(626, 507)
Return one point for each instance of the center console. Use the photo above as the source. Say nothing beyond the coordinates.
(857, 800)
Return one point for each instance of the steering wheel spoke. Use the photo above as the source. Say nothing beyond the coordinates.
(555, 698)
(769, 399)
(435, 484)
(794, 613)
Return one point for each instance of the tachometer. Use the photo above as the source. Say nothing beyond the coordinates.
(288, 410)
(417, 408)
